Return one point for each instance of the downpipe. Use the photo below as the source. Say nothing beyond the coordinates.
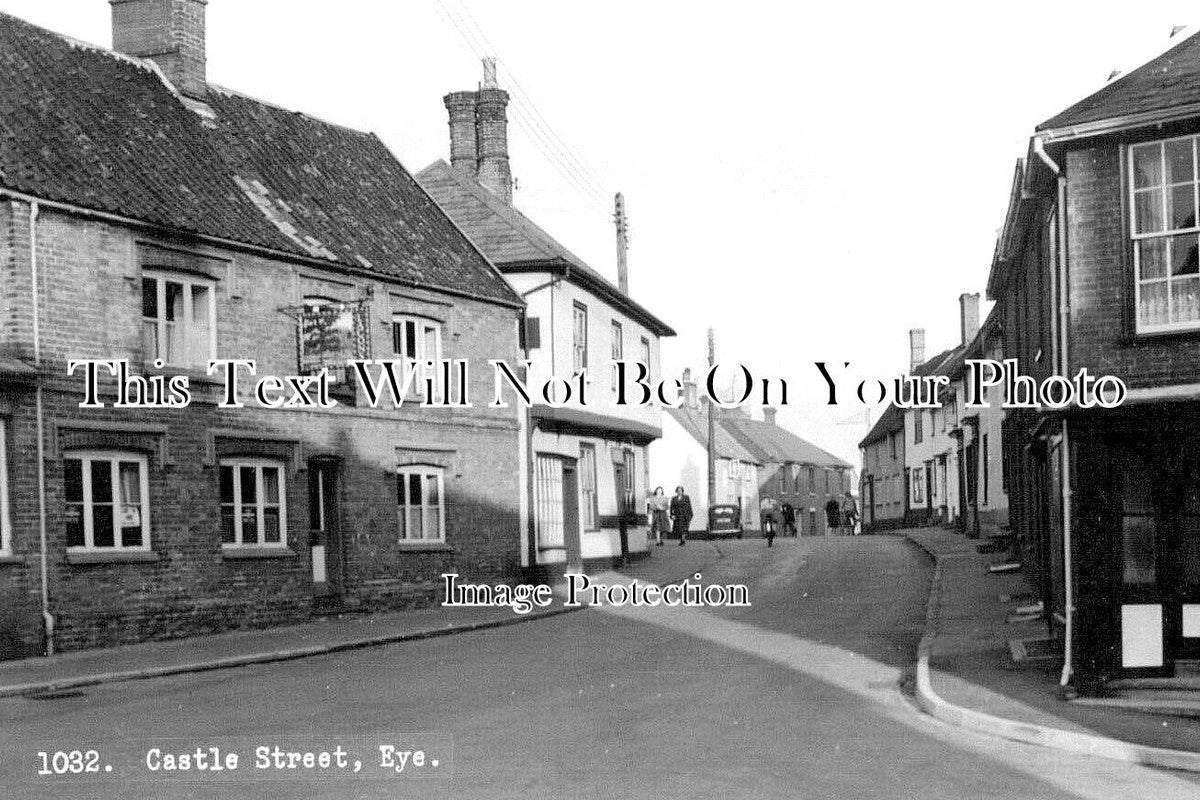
(47, 617)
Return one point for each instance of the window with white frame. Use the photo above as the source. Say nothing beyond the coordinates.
(5, 520)
(645, 356)
(588, 489)
(1166, 236)
(253, 503)
(918, 485)
(618, 350)
(421, 503)
(417, 340)
(179, 319)
(579, 348)
(107, 501)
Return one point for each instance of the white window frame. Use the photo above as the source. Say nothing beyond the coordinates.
(579, 339)
(239, 534)
(425, 471)
(1167, 233)
(421, 326)
(113, 458)
(188, 342)
(5, 518)
(617, 331)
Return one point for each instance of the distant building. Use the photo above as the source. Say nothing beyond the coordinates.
(793, 470)
(587, 466)
(681, 459)
(883, 485)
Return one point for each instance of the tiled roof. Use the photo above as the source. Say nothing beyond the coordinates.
(946, 363)
(87, 127)
(696, 424)
(514, 242)
(889, 422)
(772, 444)
(1171, 79)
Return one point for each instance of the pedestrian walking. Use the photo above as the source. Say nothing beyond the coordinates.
(657, 509)
(850, 513)
(789, 519)
(681, 514)
(833, 515)
(768, 514)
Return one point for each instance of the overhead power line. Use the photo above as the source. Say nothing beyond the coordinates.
(557, 153)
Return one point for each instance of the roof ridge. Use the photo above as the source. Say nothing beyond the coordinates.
(236, 93)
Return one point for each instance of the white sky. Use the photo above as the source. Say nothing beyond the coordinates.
(812, 182)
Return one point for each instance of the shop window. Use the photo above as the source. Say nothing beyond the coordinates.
(590, 511)
(421, 503)
(1162, 185)
(179, 321)
(107, 501)
(253, 503)
(1139, 530)
(548, 498)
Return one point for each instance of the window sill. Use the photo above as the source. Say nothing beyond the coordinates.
(11, 559)
(420, 546)
(116, 557)
(249, 553)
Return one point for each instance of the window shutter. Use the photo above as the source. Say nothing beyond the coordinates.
(533, 333)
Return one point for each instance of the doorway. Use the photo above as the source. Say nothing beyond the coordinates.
(570, 516)
(324, 537)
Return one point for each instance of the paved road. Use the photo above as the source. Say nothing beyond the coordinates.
(795, 697)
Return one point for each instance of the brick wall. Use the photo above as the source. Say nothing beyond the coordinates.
(92, 309)
(1101, 282)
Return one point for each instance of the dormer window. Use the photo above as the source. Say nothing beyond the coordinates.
(179, 319)
(417, 340)
(1166, 237)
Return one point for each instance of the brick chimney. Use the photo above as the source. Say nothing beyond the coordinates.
(916, 348)
(491, 136)
(168, 32)
(464, 155)
(769, 415)
(969, 307)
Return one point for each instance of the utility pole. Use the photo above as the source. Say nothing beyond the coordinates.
(712, 428)
(622, 244)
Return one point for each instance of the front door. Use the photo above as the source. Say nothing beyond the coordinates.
(1144, 609)
(324, 539)
(570, 516)
(1184, 550)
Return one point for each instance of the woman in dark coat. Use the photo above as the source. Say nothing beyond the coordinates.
(681, 514)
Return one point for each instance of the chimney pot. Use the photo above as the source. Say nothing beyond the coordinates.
(769, 415)
(168, 32)
(916, 348)
(969, 308)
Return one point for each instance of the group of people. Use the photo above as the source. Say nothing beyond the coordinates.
(675, 515)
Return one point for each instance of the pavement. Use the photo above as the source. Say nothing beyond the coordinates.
(797, 696)
(67, 671)
(970, 679)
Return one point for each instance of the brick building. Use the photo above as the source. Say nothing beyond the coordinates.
(793, 470)
(1096, 268)
(588, 462)
(149, 216)
(883, 482)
